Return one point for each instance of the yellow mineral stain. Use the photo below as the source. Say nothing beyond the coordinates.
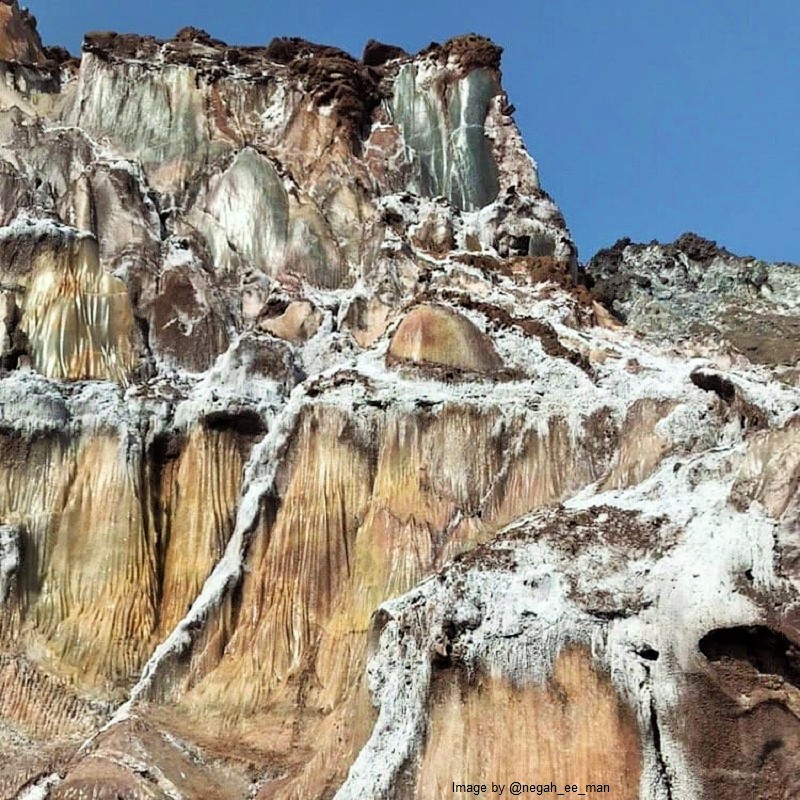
(550, 465)
(197, 499)
(432, 476)
(360, 520)
(641, 446)
(572, 730)
(77, 317)
(95, 614)
(35, 473)
(297, 566)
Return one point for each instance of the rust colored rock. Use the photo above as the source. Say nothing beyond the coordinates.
(191, 34)
(438, 336)
(19, 39)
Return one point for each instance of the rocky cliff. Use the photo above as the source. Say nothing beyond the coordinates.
(326, 471)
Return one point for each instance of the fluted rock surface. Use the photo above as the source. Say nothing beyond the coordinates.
(324, 470)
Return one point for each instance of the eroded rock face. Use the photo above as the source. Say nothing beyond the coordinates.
(573, 730)
(693, 290)
(321, 475)
(19, 39)
(437, 336)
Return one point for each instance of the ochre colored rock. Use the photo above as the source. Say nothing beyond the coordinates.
(438, 336)
(770, 473)
(298, 323)
(19, 39)
(77, 318)
(641, 447)
(572, 730)
(209, 464)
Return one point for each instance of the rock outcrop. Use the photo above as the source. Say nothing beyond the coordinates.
(694, 291)
(437, 336)
(19, 39)
(324, 470)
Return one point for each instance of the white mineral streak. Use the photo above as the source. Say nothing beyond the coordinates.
(41, 789)
(9, 558)
(259, 479)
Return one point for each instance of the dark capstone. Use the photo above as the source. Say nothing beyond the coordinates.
(377, 53)
(609, 259)
(121, 45)
(699, 249)
(58, 55)
(331, 76)
(197, 35)
(284, 49)
(471, 51)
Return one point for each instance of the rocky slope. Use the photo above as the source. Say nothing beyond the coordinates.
(325, 471)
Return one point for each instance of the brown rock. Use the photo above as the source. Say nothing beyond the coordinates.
(471, 52)
(368, 320)
(298, 323)
(741, 714)
(604, 318)
(572, 730)
(377, 53)
(8, 321)
(108, 44)
(770, 473)
(436, 335)
(641, 446)
(19, 39)
(434, 234)
(186, 324)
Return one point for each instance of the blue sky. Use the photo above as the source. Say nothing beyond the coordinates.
(647, 117)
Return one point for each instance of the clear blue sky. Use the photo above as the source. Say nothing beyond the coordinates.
(647, 117)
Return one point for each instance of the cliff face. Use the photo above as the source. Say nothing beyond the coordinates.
(325, 472)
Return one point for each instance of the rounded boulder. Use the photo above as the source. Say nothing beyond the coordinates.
(438, 336)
